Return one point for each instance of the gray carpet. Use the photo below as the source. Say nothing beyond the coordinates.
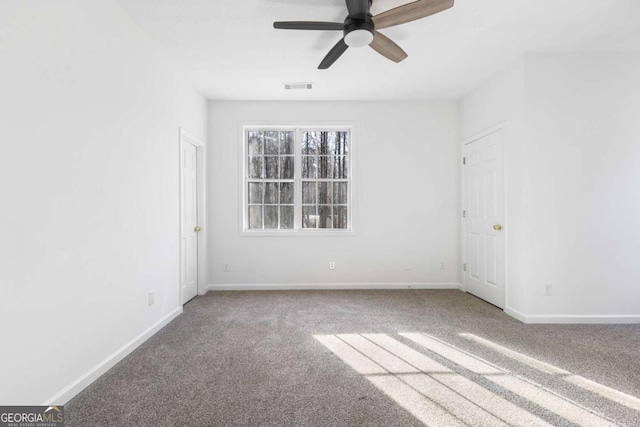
(251, 359)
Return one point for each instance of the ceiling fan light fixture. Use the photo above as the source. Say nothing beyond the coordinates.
(358, 38)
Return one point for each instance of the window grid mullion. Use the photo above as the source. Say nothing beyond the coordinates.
(263, 174)
(279, 176)
(297, 197)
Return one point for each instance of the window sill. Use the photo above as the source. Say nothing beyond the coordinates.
(297, 233)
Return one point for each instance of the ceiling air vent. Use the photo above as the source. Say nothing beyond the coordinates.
(301, 86)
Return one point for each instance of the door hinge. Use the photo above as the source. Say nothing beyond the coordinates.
(464, 160)
(464, 267)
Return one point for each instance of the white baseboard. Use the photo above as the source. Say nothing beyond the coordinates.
(70, 391)
(328, 286)
(516, 314)
(573, 318)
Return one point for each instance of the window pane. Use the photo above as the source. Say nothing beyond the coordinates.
(309, 144)
(325, 167)
(270, 217)
(340, 195)
(324, 193)
(271, 193)
(286, 217)
(255, 192)
(255, 167)
(323, 143)
(309, 167)
(271, 142)
(309, 193)
(324, 217)
(286, 142)
(340, 167)
(341, 146)
(255, 217)
(332, 142)
(340, 217)
(286, 167)
(255, 140)
(271, 167)
(286, 193)
(309, 217)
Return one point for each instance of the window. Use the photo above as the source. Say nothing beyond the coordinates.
(297, 180)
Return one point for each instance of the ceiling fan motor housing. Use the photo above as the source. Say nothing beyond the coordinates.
(358, 31)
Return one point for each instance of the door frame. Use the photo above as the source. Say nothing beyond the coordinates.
(184, 136)
(500, 126)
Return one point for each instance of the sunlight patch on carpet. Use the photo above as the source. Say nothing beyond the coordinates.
(453, 395)
(592, 386)
(415, 382)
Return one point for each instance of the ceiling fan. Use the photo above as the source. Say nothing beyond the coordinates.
(360, 27)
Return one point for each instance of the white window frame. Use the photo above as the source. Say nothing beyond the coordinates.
(244, 180)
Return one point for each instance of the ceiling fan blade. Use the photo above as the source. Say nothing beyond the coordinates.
(308, 25)
(333, 55)
(410, 12)
(358, 7)
(387, 48)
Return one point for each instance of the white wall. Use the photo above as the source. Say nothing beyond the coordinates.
(407, 167)
(89, 114)
(583, 115)
(572, 182)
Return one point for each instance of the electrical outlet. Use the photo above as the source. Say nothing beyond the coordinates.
(406, 267)
(152, 298)
(332, 265)
(548, 289)
(442, 265)
(226, 267)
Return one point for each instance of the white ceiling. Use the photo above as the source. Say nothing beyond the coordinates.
(231, 51)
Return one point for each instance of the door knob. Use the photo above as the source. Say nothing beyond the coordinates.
(197, 229)
(497, 227)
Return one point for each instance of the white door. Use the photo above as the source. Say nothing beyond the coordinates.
(484, 218)
(189, 220)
